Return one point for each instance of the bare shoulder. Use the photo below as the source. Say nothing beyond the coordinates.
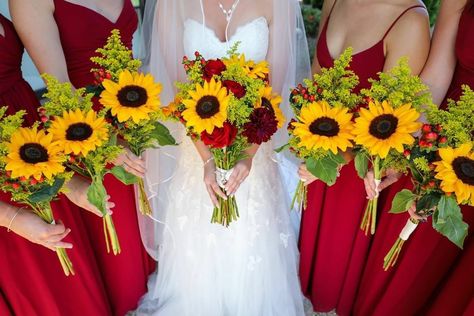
(43, 5)
(412, 22)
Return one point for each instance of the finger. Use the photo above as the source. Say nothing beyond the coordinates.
(232, 179)
(47, 245)
(212, 195)
(235, 185)
(132, 171)
(217, 190)
(368, 189)
(62, 244)
(388, 181)
(56, 229)
(59, 237)
(93, 209)
(136, 162)
(136, 170)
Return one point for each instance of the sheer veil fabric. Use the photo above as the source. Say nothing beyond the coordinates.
(249, 268)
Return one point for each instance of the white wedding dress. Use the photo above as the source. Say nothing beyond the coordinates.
(247, 269)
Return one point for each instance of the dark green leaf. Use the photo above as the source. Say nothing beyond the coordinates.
(339, 159)
(402, 201)
(123, 176)
(361, 162)
(448, 221)
(282, 148)
(97, 195)
(427, 202)
(324, 169)
(163, 136)
(113, 139)
(47, 193)
(95, 90)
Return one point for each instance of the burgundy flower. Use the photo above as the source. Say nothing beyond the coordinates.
(220, 137)
(261, 127)
(236, 88)
(213, 67)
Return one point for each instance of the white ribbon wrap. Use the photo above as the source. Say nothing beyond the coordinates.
(223, 176)
(408, 230)
(377, 184)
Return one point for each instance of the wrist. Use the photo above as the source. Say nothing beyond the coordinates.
(208, 161)
(12, 219)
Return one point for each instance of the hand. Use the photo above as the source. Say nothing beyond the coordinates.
(413, 213)
(131, 163)
(306, 176)
(31, 227)
(77, 194)
(391, 176)
(211, 183)
(239, 174)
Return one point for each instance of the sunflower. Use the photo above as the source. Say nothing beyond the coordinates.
(33, 153)
(456, 172)
(207, 107)
(272, 102)
(381, 127)
(133, 97)
(79, 133)
(252, 69)
(323, 126)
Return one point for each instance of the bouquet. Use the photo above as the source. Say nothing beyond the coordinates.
(86, 139)
(441, 164)
(32, 170)
(132, 104)
(383, 130)
(229, 105)
(322, 128)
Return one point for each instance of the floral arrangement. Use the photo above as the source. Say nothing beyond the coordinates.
(322, 128)
(384, 128)
(229, 106)
(442, 169)
(86, 139)
(32, 170)
(131, 104)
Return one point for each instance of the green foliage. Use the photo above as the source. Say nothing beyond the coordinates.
(325, 169)
(449, 222)
(311, 18)
(97, 195)
(361, 162)
(123, 176)
(402, 201)
(433, 9)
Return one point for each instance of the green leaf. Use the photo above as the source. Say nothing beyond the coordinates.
(95, 90)
(47, 193)
(123, 176)
(339, 159)
(113, 139)
(324, 169)
(163, 136)
(427, 202)
(402, 201)
(282, 148)
(448, 221)
(97, 195)
(361, 162)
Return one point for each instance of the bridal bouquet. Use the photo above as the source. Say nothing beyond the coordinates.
(229, 106)
(32, 170)
(86, 138)
(132, 104)
(442, 165)
(322, 128)
(383, 131)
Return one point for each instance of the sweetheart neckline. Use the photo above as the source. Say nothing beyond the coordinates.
(100, 14)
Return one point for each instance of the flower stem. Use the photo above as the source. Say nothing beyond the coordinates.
(111, 235)
(145, 207)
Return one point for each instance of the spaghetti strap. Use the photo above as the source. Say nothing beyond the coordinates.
(332, 8)
(399, 17)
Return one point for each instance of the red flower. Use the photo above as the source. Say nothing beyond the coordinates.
(236, 88)
(261, 127)
(213, 67)
(220, 137)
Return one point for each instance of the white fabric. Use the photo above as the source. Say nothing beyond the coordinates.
(205, 269)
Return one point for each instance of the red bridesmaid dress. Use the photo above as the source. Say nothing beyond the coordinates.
(31, 279)
(82, 31)
(333, 248)
(430, 270)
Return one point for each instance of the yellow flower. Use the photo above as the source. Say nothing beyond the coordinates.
(79, 133)
(456, 172)
(171, 109)
(33, 153)
(271, 101)
(133, 97)
(252, 69)
(323, 126)
(207, 107)
(381, 127)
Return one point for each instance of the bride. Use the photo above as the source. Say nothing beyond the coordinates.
(249, 268)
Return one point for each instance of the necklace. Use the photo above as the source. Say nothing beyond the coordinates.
(228, 13)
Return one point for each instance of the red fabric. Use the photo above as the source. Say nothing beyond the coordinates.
(333, 248)
(431, 270)
(31, 280)
(82, 31)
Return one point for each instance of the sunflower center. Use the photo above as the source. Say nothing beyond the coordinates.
(132, 96)
(78, 132)
(33, 153)
(383, 126)
(324, 126)
(464, 169)
(207, 106)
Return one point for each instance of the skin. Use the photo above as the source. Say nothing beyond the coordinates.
(361, 24)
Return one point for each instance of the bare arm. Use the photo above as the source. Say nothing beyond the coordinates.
(35, 24)
(328, 4)
(439, 69)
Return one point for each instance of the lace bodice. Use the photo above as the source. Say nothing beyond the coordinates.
(253, 37)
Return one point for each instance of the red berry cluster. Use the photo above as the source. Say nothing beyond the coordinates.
(42, 114)
(188, 64)
(430, 136)
(17, 183)
(100, 76)
(305, 93)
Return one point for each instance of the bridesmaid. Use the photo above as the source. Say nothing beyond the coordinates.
(27, 269)
(333, 248)
(430, 269)
(61, 37)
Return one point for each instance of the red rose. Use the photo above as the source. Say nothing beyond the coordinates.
(221, 136)
(236, 88)
(213, 67)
